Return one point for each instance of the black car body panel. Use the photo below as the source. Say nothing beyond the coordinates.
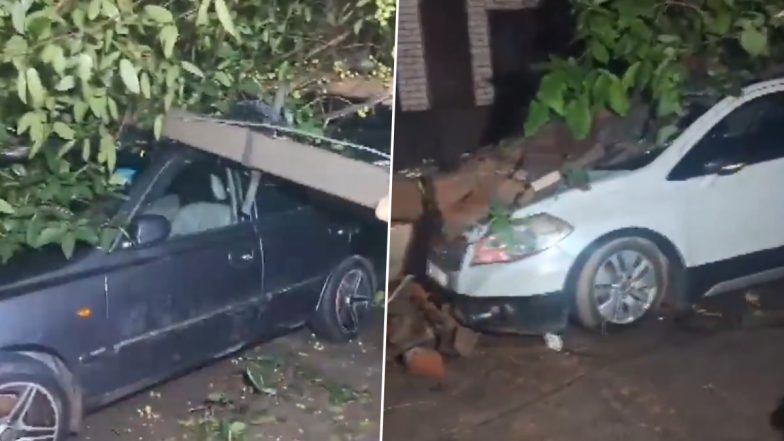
(126, 319)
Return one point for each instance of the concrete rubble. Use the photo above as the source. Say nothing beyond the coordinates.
(422, 329)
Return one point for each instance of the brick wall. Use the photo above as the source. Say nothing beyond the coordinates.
(411, 74)
(411, 68)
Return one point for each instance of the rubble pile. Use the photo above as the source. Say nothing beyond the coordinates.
(421, 329)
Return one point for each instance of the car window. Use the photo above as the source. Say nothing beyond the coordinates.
(198, 198)
(750, 134)
(275, 195)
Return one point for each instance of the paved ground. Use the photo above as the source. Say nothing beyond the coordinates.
(652, 383)
(321, 393)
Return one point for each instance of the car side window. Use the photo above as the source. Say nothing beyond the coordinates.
(275, 195)
(750, 134)
(199, 198)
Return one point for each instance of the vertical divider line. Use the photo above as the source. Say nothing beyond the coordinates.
(389, 221)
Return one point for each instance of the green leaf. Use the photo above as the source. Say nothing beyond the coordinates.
(94, 9)
(21, 86)
(754, 41)
(35, 87)
(601, 89)
(55, 56)
(5, 207)
(129, 76)
(551, 92)
(669, 103)
(114, 113)
(617, 99)
(578, 117)
(68, 244)
(27, 121)
(190, 67)
(66, 83)
(538, 116)
(108, 150)
(86, 150)
(109, 9)
(202, 15)
(144, 83)
(168, 38)
(19, 16)
(599, 52)
(63, 131)
(159, 13)
(224, 16)
(80, 110)
(630, 77)
(50, 235)
(223, 78)
(66, 148)
(85, 67)
(158, 126)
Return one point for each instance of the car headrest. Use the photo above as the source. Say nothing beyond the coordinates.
(218, 189)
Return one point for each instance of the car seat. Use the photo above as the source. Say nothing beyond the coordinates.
(201, 216)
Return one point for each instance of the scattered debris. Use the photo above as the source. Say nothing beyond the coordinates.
(425, 362)
(420, 332)
(554, 342)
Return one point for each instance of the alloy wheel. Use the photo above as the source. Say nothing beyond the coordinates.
(625, 287)
(28, 412)
(353, 299)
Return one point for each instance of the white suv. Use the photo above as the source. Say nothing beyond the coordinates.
(708, 211)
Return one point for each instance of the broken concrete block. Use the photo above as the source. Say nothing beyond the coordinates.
(399, 242)
(407, 199)
(464, 341)
(425, 362)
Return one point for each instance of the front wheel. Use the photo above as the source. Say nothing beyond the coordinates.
(620, 283)
(346, 299)
(33, 405)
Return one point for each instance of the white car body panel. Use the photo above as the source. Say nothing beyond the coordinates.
(707, 219)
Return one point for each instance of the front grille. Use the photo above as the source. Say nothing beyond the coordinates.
(449, 256)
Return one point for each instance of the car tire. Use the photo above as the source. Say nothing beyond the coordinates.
(48, 412)
(616, 298)
(346, 299)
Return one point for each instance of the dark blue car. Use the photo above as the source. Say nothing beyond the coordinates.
(213, 260)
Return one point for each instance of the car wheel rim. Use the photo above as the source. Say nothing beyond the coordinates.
(353, 299)
(29, 413)
(624, 287)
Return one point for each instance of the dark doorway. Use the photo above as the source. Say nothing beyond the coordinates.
(445, 36)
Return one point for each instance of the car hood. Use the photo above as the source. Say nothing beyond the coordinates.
(601, 182)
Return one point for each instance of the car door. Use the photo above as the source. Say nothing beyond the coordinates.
(188, 298)
(301, 246)
(734, 205)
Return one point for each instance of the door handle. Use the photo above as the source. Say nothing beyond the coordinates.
(242, 258)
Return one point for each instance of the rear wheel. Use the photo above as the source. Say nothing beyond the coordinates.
(621, 283)
(33, 404)
(346, 299)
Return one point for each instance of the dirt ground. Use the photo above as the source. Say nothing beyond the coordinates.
(312, 392)
(655, 382)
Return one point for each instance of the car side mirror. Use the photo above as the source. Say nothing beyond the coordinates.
(149, 229)
(724, 166)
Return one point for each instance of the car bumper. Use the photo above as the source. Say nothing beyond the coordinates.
(526, 296)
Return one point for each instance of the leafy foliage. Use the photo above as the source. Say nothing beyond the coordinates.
(660, 52)
(75, 75)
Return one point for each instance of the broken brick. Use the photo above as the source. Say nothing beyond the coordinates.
(425, 362)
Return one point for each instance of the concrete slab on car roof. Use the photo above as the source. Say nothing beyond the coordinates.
(353, 180)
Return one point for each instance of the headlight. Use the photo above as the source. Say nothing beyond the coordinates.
(521, 239)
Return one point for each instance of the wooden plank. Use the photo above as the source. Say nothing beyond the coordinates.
(350, 179)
